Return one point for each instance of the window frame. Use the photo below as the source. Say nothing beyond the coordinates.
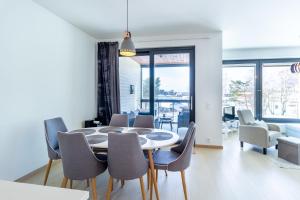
(258, 84)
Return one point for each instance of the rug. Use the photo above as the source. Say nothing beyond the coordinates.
(281, 163)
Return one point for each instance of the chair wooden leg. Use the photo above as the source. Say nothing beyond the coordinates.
(142, 188)
(94, 188)
(151, 163)
(184, 184)
(87, 183)
(156, 175)
(151, 186)
(109, 188)
(64, 182)
(47, 171)
(71, 184)
(148, 180)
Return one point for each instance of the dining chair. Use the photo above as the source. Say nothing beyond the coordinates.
(52, 126)
(119, 120)
(126, 160)
(144, 121)
(177, 159)
(182, 142)
(79, 161)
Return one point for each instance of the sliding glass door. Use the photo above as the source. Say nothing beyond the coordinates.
(164, 86)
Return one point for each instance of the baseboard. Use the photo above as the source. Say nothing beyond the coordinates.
(209, 146)
(30, 174)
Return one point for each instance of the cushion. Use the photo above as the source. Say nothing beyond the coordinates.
(164, 158)
(246, 117)
(262, 124)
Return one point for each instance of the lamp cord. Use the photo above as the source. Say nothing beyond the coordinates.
(127, 17)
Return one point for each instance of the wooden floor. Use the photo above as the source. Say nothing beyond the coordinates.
(229, 174)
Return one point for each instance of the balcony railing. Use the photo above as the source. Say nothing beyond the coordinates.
(167, 111)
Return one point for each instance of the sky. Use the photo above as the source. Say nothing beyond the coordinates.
(171, 78)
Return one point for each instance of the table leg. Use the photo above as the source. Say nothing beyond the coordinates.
(153, 178)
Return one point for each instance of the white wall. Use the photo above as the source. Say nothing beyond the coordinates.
(261, 53)
(208, 79)
(130, 74)
(47, 69)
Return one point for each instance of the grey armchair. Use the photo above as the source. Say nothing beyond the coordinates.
(257, 132)
(120, 120)
(126, 160)
(52, 126)
(79, 161)
(178, 158)
(144, 121)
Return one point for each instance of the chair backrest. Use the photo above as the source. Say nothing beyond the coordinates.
(125, 156)
(184, 160)
(144, 121)
(245, 117)
(79, 162)
(52, 126)
(119, 120)
(183, 119)
(180, 148)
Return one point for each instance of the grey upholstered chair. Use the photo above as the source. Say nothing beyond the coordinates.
(126, 160)
(120, 120)
(79, 161)
(52, 126)
(144, 121)
(182, 144)
(178, 158)
(257, 132)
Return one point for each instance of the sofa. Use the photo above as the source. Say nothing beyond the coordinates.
(257, 132)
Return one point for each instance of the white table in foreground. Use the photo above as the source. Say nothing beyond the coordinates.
(16, 191)
(149, 145)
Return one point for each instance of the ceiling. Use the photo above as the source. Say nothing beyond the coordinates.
(245, 24)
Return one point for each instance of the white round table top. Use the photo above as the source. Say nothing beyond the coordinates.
(164, 138)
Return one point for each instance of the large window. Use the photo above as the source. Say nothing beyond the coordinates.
(266, 86)
(281, 91)
(239, 86)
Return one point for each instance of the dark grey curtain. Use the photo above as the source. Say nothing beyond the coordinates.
(108, 81)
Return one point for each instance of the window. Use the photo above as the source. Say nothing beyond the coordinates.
(265, 86)
(239, 86)
(281, 92)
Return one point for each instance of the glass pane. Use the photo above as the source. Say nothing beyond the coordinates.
(171, 90)
(134, 84)
(281, 93)
(239, 86)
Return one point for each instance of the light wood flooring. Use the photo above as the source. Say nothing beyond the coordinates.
(229, 174)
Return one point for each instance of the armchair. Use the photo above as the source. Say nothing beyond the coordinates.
(257, 132)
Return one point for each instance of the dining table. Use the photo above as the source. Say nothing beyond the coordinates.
(150, 139)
